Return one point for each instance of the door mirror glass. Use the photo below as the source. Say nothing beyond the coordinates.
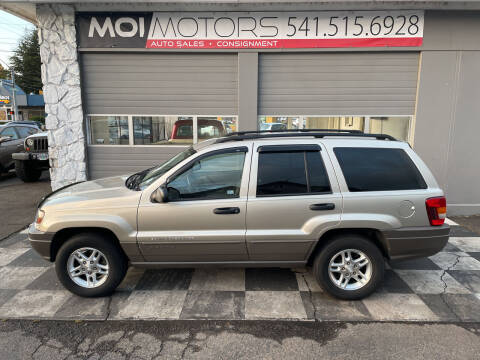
(5, 138)
(160, 195)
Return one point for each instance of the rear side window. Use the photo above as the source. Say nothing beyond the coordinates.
(291, 173)
(378, 169)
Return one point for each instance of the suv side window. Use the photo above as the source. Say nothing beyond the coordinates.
(10, 131)
(294, 172)
(216, 176)
(378, 169)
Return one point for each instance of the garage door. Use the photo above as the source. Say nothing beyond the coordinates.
(338, 83)
(133, 101)
(200, 84)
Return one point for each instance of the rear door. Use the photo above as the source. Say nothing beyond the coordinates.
(293, 198)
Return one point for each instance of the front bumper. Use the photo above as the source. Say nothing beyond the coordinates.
(24, 156)
(407, 243)
(41, 241)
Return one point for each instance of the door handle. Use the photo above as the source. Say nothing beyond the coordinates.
(326, 206)
(227, 210)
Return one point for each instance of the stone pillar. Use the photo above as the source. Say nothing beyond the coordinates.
(62, 94)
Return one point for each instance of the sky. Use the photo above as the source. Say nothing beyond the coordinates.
(12, 29)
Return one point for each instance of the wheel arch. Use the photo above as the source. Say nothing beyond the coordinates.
(373, 235)
(63, 235)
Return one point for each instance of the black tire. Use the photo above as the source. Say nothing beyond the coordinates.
(117, 262)
(27, 171)
(344, 242)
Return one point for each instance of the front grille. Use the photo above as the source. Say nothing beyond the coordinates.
(40, 145)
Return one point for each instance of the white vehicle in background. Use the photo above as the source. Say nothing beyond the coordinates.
(272, 126)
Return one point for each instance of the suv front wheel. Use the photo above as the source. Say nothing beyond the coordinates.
(90, 265)
(349, 267)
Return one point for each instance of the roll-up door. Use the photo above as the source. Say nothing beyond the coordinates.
(162, 84)
(338, 83)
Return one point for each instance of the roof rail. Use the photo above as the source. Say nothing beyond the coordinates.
(295, 130)
(317, 133)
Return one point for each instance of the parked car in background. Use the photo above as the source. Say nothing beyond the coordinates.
(11, 140)
(183, 130)
(272, 126)
(31, 158)
(339, 201)
(37, 124)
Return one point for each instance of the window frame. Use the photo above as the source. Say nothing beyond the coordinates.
(294, 148)
(131, 140)
(410, 131)
(189, 165)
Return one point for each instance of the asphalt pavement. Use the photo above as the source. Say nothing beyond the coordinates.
(19, 200)
(236, 340)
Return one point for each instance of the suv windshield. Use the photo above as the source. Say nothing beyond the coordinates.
(141, 180)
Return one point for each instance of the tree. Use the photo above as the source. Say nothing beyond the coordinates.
(26, 63)
(4, 73)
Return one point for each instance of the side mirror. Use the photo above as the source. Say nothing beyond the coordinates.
(160, 195)
(5, 138)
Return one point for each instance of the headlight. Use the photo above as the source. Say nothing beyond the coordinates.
(39, 217)
(30, 142)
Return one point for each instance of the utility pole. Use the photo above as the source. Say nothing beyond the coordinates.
(15, 110)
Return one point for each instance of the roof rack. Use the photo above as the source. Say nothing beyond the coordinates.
(317, 133)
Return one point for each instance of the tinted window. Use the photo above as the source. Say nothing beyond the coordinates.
(213, 177)
(283, 173)
(377, 169)
(25, 131)
(318, 178)
(10, 131)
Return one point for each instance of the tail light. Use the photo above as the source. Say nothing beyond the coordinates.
(436, 210)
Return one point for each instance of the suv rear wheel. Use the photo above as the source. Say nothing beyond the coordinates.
(349, 267)
(89, 265)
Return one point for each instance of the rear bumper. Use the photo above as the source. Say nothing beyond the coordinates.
(41, 241)
(407, 243)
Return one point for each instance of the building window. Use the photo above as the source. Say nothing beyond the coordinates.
(157, 130)
(396, 126)
(162, 130)
(109, 130)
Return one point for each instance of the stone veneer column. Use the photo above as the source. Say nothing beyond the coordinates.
(61, 88)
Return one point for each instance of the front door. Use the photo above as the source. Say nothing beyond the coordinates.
(7, 148)
(204, 218)
(293, 198)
